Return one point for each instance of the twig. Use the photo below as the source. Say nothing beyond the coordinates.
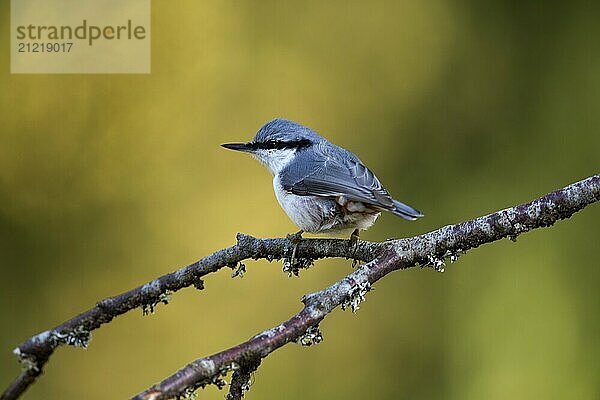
(240, 380)
(430, 249)
(23, 381)
(427, 250)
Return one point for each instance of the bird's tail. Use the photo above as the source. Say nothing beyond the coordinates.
(405, 211)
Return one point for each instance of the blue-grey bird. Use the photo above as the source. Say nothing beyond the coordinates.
(322, 187)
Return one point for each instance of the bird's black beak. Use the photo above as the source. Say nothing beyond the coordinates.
(237, 146)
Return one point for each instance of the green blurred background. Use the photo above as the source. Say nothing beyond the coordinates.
(461, 108)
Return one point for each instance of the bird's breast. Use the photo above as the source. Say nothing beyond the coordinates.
(308, 212)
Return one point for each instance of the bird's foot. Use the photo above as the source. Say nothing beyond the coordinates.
(354, 237)
(295, 238)
(290, 264)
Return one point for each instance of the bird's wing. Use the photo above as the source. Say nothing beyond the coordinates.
(330, 171)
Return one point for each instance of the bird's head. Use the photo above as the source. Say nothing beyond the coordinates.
(276, 143)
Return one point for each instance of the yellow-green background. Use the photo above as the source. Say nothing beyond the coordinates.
(461, 108)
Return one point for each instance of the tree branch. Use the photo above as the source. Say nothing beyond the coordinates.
(35, 352)
(429, 249)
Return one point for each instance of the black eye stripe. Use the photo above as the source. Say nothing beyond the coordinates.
(280, 145)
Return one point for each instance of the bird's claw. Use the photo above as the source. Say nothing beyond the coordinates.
(295, 239)
(354, 237)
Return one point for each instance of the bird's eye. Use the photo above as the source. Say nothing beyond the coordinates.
(273, 144)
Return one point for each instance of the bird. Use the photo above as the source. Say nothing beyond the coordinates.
(323, 188)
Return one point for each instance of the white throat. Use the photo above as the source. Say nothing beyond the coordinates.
(275, 159)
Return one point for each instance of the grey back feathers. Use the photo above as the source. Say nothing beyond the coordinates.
(323, 169)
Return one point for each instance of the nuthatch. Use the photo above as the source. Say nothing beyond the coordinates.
(322, 187)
